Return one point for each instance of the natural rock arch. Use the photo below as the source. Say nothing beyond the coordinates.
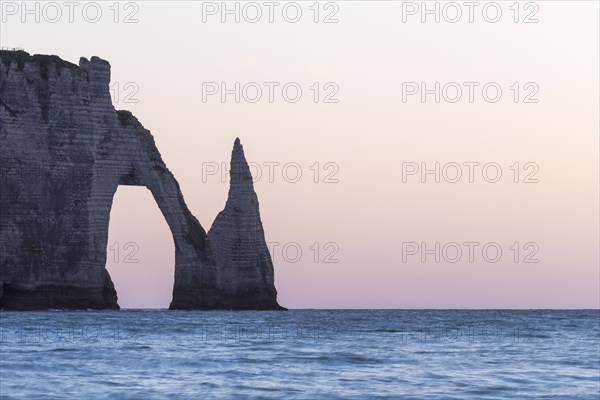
(65, 150)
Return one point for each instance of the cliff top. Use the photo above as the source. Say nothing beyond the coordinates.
(21, 57)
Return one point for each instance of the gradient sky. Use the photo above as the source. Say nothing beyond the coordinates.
(369, 213)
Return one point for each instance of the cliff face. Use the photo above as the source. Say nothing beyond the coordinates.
(64, 150)
(243, 259)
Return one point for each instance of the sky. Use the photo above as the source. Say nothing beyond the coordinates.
(400, 161)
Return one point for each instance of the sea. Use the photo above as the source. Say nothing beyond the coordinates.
(300, 354)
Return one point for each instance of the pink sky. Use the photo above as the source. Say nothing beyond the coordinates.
(362, 142)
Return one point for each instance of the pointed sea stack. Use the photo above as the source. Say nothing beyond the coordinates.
(64, 150)
(246, 276)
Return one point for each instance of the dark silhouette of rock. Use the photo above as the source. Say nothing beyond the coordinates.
(64, 150)
(243, 258)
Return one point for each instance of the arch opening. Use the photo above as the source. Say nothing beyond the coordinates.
(140, 252)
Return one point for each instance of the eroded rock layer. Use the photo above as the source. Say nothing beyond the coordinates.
(64, 149)
(243, 259)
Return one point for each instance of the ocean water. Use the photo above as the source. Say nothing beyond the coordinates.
(304, 354)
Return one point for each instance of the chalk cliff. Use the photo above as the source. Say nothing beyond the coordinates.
(64, 149)
(243, 259)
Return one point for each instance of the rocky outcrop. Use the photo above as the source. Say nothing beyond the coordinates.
(64, 151)
(243, 259)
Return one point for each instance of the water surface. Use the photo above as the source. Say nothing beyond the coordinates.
(305, 354)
